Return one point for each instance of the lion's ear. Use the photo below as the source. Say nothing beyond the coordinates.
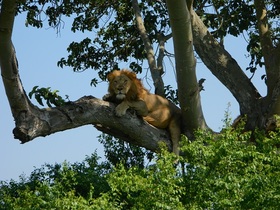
(131, 75)
(111, 76)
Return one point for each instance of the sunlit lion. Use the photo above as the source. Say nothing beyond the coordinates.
(128, 91)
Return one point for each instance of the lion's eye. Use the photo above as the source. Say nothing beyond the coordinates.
(125, 81)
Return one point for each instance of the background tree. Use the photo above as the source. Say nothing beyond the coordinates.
(227, 174)
(133, 30)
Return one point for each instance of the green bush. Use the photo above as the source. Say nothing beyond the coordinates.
(232, 170)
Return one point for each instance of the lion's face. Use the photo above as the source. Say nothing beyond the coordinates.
(120, 85)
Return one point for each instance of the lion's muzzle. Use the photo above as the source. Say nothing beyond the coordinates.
(120, 96)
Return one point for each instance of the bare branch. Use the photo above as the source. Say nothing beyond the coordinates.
(155, 71)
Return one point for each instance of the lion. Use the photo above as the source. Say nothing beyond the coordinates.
(128, 92)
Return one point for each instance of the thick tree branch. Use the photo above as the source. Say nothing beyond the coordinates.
(88, 110)
(188, 89)
(224, 67)
(156, 72)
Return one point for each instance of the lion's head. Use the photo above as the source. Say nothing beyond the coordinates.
(124, 85)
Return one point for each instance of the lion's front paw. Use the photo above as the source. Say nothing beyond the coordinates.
(121, 109)
(106, 97)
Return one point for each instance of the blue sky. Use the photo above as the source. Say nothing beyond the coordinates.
(38, 52)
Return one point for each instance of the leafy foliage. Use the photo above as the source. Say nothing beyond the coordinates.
(51, 97)
(62, 186)
(254, 49)
(230, 172)
(112, 22)
(171, 94)
(155, 187)
(118, 152)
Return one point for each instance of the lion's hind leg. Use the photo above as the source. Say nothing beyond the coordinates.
(175, 133)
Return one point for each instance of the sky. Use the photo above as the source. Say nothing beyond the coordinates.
(38, 51)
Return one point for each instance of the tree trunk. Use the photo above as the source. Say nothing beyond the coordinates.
(188, 88)
(224, 67)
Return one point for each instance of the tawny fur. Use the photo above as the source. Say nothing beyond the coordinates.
(128, 91)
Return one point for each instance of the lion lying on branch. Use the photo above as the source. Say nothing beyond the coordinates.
(128, 91)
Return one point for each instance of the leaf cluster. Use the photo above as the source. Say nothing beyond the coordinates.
(226, 16)
(116, 38)
(171, 94)
(51, 97)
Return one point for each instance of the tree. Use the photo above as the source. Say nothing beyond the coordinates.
(133, 30)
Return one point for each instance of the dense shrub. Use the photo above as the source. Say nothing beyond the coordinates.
(225, 171)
